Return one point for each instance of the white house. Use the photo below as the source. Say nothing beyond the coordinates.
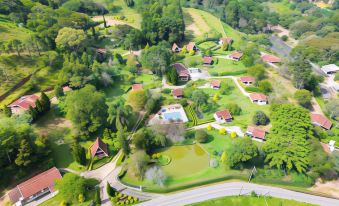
(330, 69)
(258, 98)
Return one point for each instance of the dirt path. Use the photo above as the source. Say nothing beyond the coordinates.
(330, 188)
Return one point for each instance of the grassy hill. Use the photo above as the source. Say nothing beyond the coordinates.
(9, 30)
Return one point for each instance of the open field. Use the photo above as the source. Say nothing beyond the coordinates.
(225, 67)
(10, 30)
(281, 8)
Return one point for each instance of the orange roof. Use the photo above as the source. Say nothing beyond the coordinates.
(181, 69)
(207, 60)
(321, 120)
(25, 102)
(175, 46)
(270, 58)
(96, 145)
(247, 79)
(35, 185)
(236, 55)
(215, 83)
(225, 114)
(257, 132)
(137, 86)
(190, 46)
(258, 96)
(177, 92)
(102, 50)
(227, 40)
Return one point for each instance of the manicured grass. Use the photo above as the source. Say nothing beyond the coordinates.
(248, 200)
(234, 34)
(226, 67)
(207, 45)
(97, 163)
(217, 143)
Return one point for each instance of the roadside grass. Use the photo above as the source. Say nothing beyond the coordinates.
(248, 200)
(9, 30)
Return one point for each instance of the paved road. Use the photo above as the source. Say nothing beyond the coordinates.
(232, 189)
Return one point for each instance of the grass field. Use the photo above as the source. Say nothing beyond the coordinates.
(10, 30)
(281, 8)
(252, 201)
(227, 66)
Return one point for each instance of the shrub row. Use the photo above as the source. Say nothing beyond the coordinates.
(191, 114)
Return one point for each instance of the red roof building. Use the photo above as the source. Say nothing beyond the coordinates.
(137, 86)
(23, 103)
(215, 84)
(256, 133)
(98, 149)
(35, 187)
(207, 60)
(225, 40)
(258, 98)
(101, 51)
(191, 46)
(176, 48)
(182, 71)
(321, 121)
(236, 55)
(223, 116)
(177, 93)
(247, 80)
(270, 58)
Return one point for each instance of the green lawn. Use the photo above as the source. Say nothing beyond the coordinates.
(227, 67)
(282, 8)
(250, 201)
(217, 143)
(9, 30)
(207, 45)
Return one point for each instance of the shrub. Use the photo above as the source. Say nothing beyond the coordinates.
(222, 131)
(183, 102)
(233, 134)
(234, 109)
(110, 190)
(191, 53)
(166, 91)
(81, 198)
(201, 136)
(265, 86)
(63, 203)
(303, 97)
(216, 97)
(214, 163)
(284, 38)
(209, 127)
(260, 118)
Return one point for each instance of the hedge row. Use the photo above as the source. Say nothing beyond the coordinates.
(191, 115)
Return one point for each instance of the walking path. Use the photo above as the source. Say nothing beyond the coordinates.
(217, 126)
(234, 189)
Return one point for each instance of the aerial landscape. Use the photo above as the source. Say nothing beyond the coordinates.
(169, 102)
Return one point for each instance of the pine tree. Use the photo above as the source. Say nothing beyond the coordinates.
(7, 111)
(121, 136)
(33, 113)
(45, 102)
(58, 92)
(38, 107)
(79, 153)
(24, 156)
(110, 190)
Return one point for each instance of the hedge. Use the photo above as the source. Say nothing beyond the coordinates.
(191, 115)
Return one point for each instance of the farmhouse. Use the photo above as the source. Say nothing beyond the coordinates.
(215, 84)
(177, 93)
(23, 103)
(330, 69)
(176, 48)
(321, 121)
(258, 98)
(137, 86)
(256, 133)
(225, 40)
(207, 60)
(269, 58)
(192, 46)
(236, 55)
(182, 71)
(248, 80)
(98, 149)
(36, 187)
(223, 116)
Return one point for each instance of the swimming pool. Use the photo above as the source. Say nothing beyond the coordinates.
(173, 116)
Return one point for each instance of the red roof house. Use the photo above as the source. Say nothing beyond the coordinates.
(215, 84)
(191, 46)
(258, 98)
(321, 121)
(223, 116)
(182, 71)
(256, 133)
(207, 60)
(35, 187)
(270, 58)
(177, 93)
(225, 40)
(236, 55)
(247, 80)
(98, 149)
(23, 103)
(176, 48)
(101, 51)
(137, 86)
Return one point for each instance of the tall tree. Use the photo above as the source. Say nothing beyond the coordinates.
(25, 154)
(72, 40)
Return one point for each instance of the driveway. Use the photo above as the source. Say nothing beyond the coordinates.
(234, 189)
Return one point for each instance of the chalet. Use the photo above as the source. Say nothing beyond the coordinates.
(182, 71)
(34, 188)
(137, 86)
(330, 69)
(269, 58)
(321, 121)
(258, 98)
(247, 80)
(225, 40)
(101, 51)
(66, 89)
(191, 46)
(176, 48)
(177, 93)
(223, 116)
(256, 133)
(215, 84)
(98, 149)
(23, 103)
(236, 55)
(207, 60)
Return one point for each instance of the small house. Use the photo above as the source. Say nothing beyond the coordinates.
(215, 84)
(23, 103)
(191, 46)
(321, 121)
(247, 80)
(137, 87)
(182, 71)
(207, 60)
(269, 58)
(176, 48)
(256, 133)
(223, 116)
(258, 98)
(98, 149)
(236, 55)
(177, 93)
(225, 40)
(330, 69)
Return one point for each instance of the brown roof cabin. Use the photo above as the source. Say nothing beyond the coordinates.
(101, 51)
(247, 80)
(270, 58)
(223, 116)
(177, 93)
(176, 48)
(191, 46)
(225, 40)
(207, 60)
(236, 55)
(36, 187)
(321, 121)
(98, 149)
(23, 103)
(137, 86)
(256, 133)
(182, 71)
(215, 84)
(258, 98)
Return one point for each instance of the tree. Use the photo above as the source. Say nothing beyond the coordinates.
(260, 118)
(332, 108)
(138, 163)
(110, 190)
(201, 136)
(45, 102)
(265, 86)
(79, 153)
(87, 109)
(234, 109)
(7, 111)
(25, 153)
(301, 72)
(15, 43)
(303, 97)
(137, 99)
(97, 198)
(156, 175)
(257, 71)
(242, 150)
(223, 157)
(33, 113)
(121, 136)
(81, 198)
(70, 39)
(145, 139)
(38, 107)
(58, 91)
(199, 98)
(172, 76)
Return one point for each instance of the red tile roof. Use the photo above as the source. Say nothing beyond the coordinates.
(190, 46)
(247, 79)
(137, 86)
(25, 102)
(207, 60)
(225, 114)
(216, 83)
(236, 55)
(96, 145)
(321, 120)
(270, 58)
(35, 185)
(258, 96)
(66, 89)
(175, 46)
(177, 92)
(181, 69)
(101, 51)
(257, 132)
(227, 40)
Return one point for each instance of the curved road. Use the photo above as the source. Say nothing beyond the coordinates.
(233, 189)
